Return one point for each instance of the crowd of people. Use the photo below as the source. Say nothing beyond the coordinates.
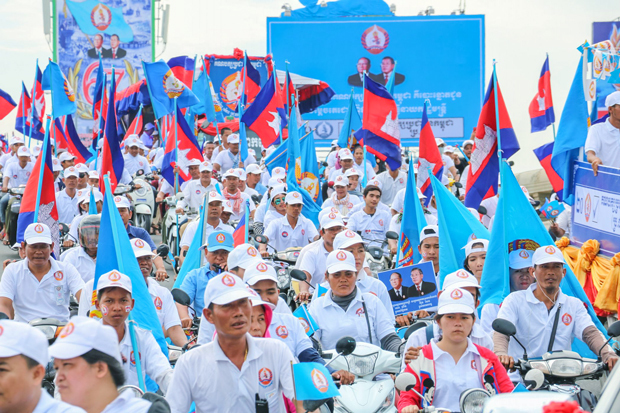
(248, 337)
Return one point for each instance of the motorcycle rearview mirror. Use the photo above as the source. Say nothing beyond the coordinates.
(181, 297)
(256, 199)
(458, 185)
(376, 252)
(163, 250)
(534, 379)
(299, 275)
(412, 329)
(391, 235)
(345, 346)
(612, 331)
(261, 239)
(506, 328)
(482, 210)
(405, 382)
(64, 228)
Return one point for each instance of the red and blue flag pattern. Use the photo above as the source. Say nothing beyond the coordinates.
(39, 97)
(484, 162)
(24, 118)
(183, 69)
(543, 153)
(241, 234)
(7, 104)
(112, 161)
(74, 143)
(251, 80)
(267, 115)
(187, 148)
(429, 158)
(541, 107)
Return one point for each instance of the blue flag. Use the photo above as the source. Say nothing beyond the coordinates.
(572, 133)
(63, 95)
(526, 232)
(92, 205)
(279, 157)
(203, 89)
(163, 87)
(412, 223)
(115, 253)
(456, 225)
(93, 17)
(551, 210)
(313, 382)
(310, 326)
(192, 259)
(310, 168)
(352, 122)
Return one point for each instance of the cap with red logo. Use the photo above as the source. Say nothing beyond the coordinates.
(83, 334)
(114, 279)
(547, 254)
(278, 172)
(341, 180)
(141, 248)
(257, 271)
(71, 171)
(121, 202)
(224, 289)
(454, 300)
(23, 151)
(219, 240)
(293, 198)
(242, 256)
(215, 196)
(459, 279)
(519, 259)
(37, 233)
(345, 153)
(205, 167)
(340, 260)
(332, 219)
(22, 339)
(347, 238)
(476, 245)
(231, 173)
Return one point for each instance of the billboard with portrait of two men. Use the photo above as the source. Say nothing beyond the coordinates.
(411, 288)
(435, 58)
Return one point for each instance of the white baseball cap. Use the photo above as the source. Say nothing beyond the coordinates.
(85, 196)
(455, 300)
(241, 174)
(233, 138)
(420, 194)
(278, 190)
(449, 149)
(132, 140)
(224, 289)
(37, 233)
(347, 238)
(273, 182)
(334, 142)
(293, 198)
(230, 173)
(253, 169)
(206, 166)
(228, 207)
(341, 180)
(340, 260)
(141, 248)
(93, 175)
(242, 255)
(351, 172)
(374, 182)
(215, 196)
(121, 202)
(278, 172)
(333, 219)
(114, 279)
(428, 232)
(194, 162)
(83, 334)
(459, 279)
(258, 270)
(519, 259)
(439, 141)
(612, 99)
(472, 246)
(82, 168)
(15, 139)
(547, 254)
(527, 193)
(22, 339)
(468, 142)
(23, 151)
(71, 171)
(66, 156)
(56, 166)
(255, 300)
(345, 153)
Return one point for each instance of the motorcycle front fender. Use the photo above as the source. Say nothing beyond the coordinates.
(143, 209)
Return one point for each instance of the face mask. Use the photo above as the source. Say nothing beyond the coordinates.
(441, 150)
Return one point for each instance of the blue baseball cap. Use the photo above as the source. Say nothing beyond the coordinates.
(149, 126)
(219, 240)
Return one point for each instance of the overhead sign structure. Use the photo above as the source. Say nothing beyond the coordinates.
(439, 58)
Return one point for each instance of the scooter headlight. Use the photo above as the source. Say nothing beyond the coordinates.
(540, 365)
(173, 355)
(589, 367)
(388, 402)
(472, 400)
(141, 191)
(565, 367)
(362, 365)
(284, 279)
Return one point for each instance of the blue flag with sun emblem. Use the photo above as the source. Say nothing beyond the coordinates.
(313, 382)
(63, 95)
(163, 87)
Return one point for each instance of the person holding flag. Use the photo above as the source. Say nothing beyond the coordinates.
(231, 157)
(233, 194)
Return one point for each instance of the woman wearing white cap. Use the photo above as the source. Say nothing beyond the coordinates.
(88, 369)
(475, 255)
(277, 205)
(345, 311)
(341, 198)
(453, 363)
(358, 159)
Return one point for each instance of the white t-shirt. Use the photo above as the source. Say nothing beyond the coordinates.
(313, 259)
(390, 186)
(353, 201)
(604, 140)
(47, 298)
(282, 236)
(67, 206)
(194, 193)
(127, 402)
(372, 227)
(207, 377)
(380, 207)
(134, 163)
(18, 175)
(164, 304)
(225, 160)
(82, 262)
(190, 231)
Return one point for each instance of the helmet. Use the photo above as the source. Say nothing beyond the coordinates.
(88, 231)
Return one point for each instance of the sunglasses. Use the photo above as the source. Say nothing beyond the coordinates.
(278, 201)
(83, 174)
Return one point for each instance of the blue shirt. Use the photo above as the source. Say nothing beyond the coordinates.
(261, 189)
(147, 140)
(195, 284)
(137, 232)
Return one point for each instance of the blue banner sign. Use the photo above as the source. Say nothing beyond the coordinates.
(596, 213)
(439, 58)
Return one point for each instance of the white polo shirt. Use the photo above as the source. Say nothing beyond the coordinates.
(225, 160)
(134, 163)
(153, 361)
(335, 323)
(534, 323)
(190, 231)
(47, 404)
(371, 227)
(194, 193)
(487, 316)
(604, 140)
(380, 207)
(207, 377)
(314, 261)
(18, 175)
(390, 186)
(288, 329)
(82, 262)
(371, 172)
(127, 402)
(164, 304)
(67, 206)
(47, 298)
(282, 236)
(270, 216)
(353, 201)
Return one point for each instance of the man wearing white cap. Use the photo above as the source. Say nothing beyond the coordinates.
(221, 141)
(331, 157)
(16, 142)
(66, 160)
(82, 176)
(371, 222)
(133, 160)
(467, 148)
(56, 169)
(240, 367)
(196, 189)
(39, 286)
(15, 174)
(84, 257)
(391, 183)
(603, 142)
(243, 177)
(232, 193)
(292, 230)
(231, 157)
(429, 247)
(313, 256)
(23, 358)
(88, 369)
(83, 205)
(114, 302)
(538, 309)
(254, 177)
(208, 150)
(274, 207)
(67, 199)
(345, 158)
(341, 198)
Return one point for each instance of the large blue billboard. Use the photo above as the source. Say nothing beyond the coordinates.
(439, 58)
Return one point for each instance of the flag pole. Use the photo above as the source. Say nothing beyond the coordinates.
(208, 80)
(34, 91)
(176, 173)
(24, 117)
(135, 129)
(497, 123)
(100, 120)
(121, 269)
(42, 168)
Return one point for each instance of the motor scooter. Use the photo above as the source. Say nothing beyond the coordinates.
(143, 200)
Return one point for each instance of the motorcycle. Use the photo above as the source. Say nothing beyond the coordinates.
(144, 200)
(12, 214)
(171, 236)
(562, 368)
(179, 296)
(51, 328)
(375, 256)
